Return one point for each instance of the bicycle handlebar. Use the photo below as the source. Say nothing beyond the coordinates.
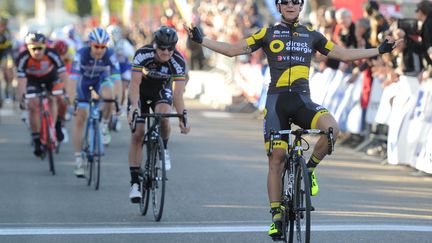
(135, 118)
(299, 133)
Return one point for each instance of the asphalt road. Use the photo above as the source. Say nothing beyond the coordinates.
(216, 191)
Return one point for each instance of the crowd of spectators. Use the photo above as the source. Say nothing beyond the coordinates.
(233, 20)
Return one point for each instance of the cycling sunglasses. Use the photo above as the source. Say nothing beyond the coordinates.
(294, 2)
(169, 48)
(37, 48)
(99, 46)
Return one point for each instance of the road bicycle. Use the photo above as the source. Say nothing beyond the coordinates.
(153, 177)
(296, 194)
(48, 135)
(93, 148)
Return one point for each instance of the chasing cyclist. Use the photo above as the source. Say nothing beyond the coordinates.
(94, 65)
(289, 47)
(36, 66)
(158, 75)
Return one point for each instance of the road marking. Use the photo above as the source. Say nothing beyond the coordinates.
(199, 229)
(216, 114)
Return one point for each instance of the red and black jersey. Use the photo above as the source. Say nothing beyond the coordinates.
(44, 70)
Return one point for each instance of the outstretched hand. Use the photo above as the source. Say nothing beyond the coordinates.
(389, 45)
(194, 33)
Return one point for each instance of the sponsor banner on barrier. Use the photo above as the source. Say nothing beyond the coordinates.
(374, 100)
(384, 108)
(424, 158)
(423, 113)
(346, 102)
(402, 103)
(319, 83)
(354, 122)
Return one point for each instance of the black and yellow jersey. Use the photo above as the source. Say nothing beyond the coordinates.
(5, 42)
(289, 49)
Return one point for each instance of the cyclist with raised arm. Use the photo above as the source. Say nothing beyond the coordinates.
(159, 76)
(94, 66)
(289, 47)
(36, 66)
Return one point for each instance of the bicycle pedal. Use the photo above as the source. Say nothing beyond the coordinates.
(135, 200)
(278, 238)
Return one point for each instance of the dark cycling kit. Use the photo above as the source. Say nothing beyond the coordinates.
(156, 84)
(41, 71)
(289, 49)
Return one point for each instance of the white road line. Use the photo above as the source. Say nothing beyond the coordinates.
(196, 229)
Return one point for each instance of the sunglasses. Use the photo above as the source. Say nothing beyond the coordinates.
(171, 48)
(294, 2)
(99, 46)
(37, 48)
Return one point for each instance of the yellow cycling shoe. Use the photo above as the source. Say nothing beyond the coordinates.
(313, 183)
(275, 230)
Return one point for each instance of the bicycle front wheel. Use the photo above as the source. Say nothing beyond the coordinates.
(145, 194)
(97, 154)
(302, 203)
(158, 177)
(49, 146)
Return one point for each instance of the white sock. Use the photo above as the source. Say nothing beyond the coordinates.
(78, 158)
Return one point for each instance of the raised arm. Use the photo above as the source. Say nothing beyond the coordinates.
(228, 49)
(345, 54)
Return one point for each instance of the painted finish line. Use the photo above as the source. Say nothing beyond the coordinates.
(201, 229)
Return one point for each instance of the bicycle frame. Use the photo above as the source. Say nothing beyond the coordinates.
(295, 195)
(92, 128)
(48, 136)
(154, 175)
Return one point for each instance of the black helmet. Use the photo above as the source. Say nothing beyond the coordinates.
(165, 37)
(33, 38)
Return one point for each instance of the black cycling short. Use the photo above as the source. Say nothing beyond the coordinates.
(151, 96)
(282, 106)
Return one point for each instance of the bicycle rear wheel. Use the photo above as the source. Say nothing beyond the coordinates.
(302, 203)
(158, 177)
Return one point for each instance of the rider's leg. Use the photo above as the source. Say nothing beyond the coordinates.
(107, 93)
(321, 147)
(166, 128)
(135, 154)
(61, 114)
(274, 187)
(34, 119)
(324, 122)
(80, 117)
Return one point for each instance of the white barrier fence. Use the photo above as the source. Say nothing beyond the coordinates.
(405, 107)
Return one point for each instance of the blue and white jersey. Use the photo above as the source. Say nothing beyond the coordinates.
(87, 68)
(124, 52)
